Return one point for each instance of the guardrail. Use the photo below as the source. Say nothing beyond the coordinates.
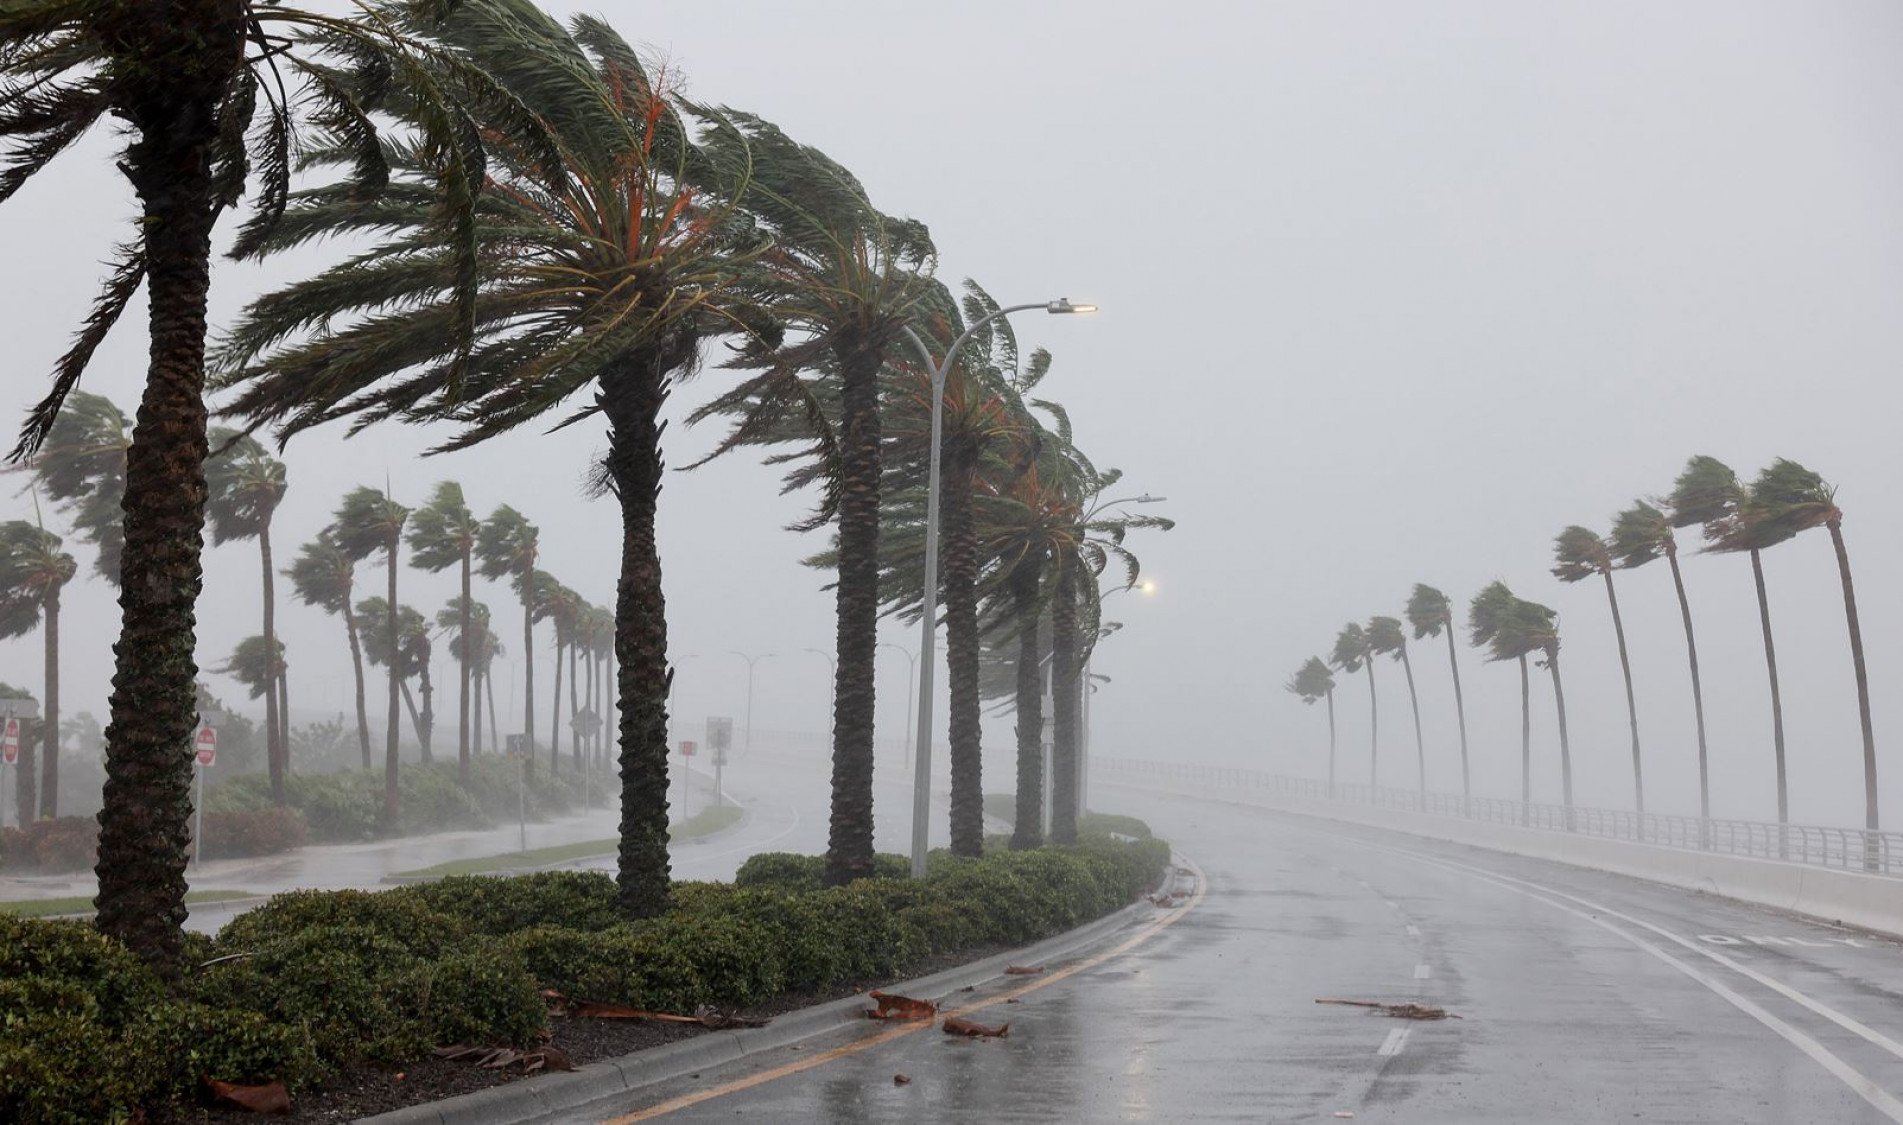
(1847, 849)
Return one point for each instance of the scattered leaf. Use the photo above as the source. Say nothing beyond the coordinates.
(892, 1006)
(955, 1025)
(901, 1080)
(268, 1098)
(715, 1018)
(1398, 1011)
(1022, 970)
(497, 1058)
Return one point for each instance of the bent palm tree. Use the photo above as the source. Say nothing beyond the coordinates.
(1385, 638)
(82, 468)
(443, 534)
(369, 521)
(1529, 627)
(1579, 553)
(506, 547)
(471, 644)
(256, 664)
(1641, 534)
(1311, 682)
(1351, 654)
(244, 485)
(411, 659)
(1430, 614)
(1486, 615)
(324, 575)
(33, 570)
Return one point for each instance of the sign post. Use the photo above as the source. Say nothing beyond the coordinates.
(687, 779)
(518, 748)
(9, 756)
(719, 738)
(205, 753)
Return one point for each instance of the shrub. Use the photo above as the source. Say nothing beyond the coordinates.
(178, 1044)
(482, 995)
(1103, 824)
(632, 963)
(487, 904)
(781, 871)
(57, 1068)
(68, 843)
(355, 989)
(57, 954)
(266, 831)
(402, 918)
(12, 847)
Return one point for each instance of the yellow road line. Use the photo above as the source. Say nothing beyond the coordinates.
(1145, 934)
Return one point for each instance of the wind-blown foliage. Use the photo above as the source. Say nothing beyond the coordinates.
(324, 575)
(81, 467)
(1579, 553)
(368, 521)
(34, 568)
(1429, 613)
(244, 486)
(443, 534)
(1313, 681)
(1641, 534)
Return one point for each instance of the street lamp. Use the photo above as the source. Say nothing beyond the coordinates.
(1146, 586)
(911, 673)
(751, 661)
(928, 619)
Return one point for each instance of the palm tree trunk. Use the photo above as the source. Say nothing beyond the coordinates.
(26, 794)
(1064, 706)
(463, 747)
(427, 729)
(555, 716)
(1420, 744)
(1374, 730)
(274, 751)
(393, 732)
(189, 50)
(574, 746)
(356, 664)
(1698, 690)
(284, 712)
(961, 651)
(631, 395)
(849, 841)
(1777, 702)
(1870, 818)
(409, 705)
(1631, 702)
(1331, 742)
(1565, 746)
(475, 715)
(1526, 744)
(528, 668)
(496, 744)
(1028, 831)
(49, 758)
(1460, 709)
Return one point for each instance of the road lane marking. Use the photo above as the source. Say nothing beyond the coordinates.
(1422, 972)
(1413, 930)
(1727, 939)
(1397, 1038)
(1157, 926)
(1869, 1091)
(1392, 905)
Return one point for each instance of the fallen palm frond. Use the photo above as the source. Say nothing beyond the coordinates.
(531, 1061)
(892, 1006)
(1398, 1011)
(956, 1026)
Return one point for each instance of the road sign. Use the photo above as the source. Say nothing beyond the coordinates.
(688, 748)
(719, 732)
(585, 722)
(206, 746)
(10, 745)
(518, 745)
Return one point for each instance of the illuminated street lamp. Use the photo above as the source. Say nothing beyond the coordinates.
(928, 621)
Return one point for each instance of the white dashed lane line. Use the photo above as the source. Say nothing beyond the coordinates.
(1422, 972)
(1397, 1038)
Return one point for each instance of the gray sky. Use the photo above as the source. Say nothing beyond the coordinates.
(1392, 292)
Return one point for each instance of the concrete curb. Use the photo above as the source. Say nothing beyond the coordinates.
(533, 1099)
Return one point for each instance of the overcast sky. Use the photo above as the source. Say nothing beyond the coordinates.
(1391, 293)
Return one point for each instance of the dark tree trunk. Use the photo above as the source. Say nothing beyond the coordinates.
(49, 715)
(1460, 709)
(187, 51)
(528, 667)
(475, 715)
(1777, 701)
(427, 728)
(1064, 706)
(1870, 818)
(849, 842)
(275, 752)
(466, 680)
(1331, 741)
(26, 794)
(496, 743)
(1028, 831)
(555, 717)
(632, 394)
(574, 746)
(961, 651)
(1565, 746)
(284, 712)
(1526, 742)
(1420, 744)
(409, 704)
(1698, 690)
(1631, 701)
(393, 732)
(356, 665)
(1374, 729)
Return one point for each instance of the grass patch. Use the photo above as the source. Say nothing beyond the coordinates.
(83, 904)
(703, 823)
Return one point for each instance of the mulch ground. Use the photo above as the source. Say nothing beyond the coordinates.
(365, 1091)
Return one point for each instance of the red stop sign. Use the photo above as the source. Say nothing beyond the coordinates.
(10, 744)
(206, 745)
(687, 748)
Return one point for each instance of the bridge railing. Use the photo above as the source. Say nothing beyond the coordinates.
(1850, 849)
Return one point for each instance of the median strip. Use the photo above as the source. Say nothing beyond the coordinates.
(701, 824)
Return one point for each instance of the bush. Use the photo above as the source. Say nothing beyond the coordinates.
(358, 991)
(45, 956)
(631, 963)
(1103, 824)
(487, 904)
(401, 918)
(179, 1044)
(68, 843)
(12, 844)
(266, 831)
(482, 996)
(782, 871)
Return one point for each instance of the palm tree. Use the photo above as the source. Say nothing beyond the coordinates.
(473, 647)
(411, 661)
(244, 485)
(250, 665)
(1786, 500)
(1485, 616)
(324, 575)
(369, 521)
(1314, 681)
(1023, 581)
(1351, 654)
(1430, 613)
(563, 607)
(1525, 628)
(1386, 638)
(82, 468)
(443, 534)
(506, 547)
(186, 82)
(33, 570)
(1579, 553)
(1641, 534)
(1708, 494)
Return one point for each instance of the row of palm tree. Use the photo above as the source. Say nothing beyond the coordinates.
(1783, 501)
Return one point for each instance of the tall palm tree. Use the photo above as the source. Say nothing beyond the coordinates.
(33, 571)
(1786, 500)
(563, 607)
(1579, 553)
(82, 468)
(607, 259)
(1351, 654)
(1386, 638)
(244, 486)
(257, 664)
(443, 534)
(1529, 627)
(1314, 681)
(473, 646)
(1485, 616)
(324, 575)
(1430, 614)
(411, 661)
(1023, 582)
(507, 547)
(1641, 534)
(367, 522)
(207, 92)
(1708, 494)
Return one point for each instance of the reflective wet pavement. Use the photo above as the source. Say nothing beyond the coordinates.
(1583, 997)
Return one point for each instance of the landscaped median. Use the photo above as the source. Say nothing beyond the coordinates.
(341, 996)
(702, 824)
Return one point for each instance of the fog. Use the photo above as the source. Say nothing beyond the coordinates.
(1391, 294)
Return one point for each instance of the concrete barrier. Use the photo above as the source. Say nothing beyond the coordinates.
(1871, 902)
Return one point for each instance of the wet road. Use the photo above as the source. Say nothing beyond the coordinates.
(1583, 997)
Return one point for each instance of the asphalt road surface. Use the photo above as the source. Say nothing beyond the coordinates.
(1582, 997)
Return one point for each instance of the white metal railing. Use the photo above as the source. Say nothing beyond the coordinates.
(1850, 849)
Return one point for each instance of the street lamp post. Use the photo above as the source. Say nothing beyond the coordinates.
(751, 661)
(911, 673)
(928, 619)
(1147, 587)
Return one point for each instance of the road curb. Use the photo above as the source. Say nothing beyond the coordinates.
(532, 1099)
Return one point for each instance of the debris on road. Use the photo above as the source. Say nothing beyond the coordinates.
(1022, 970)
(1168, 901)
(1398, 1011)
(531, 1061)
(901, 1080)
(892, 1006)
(268, 1098)
(955, 1025)
(706, 1015)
